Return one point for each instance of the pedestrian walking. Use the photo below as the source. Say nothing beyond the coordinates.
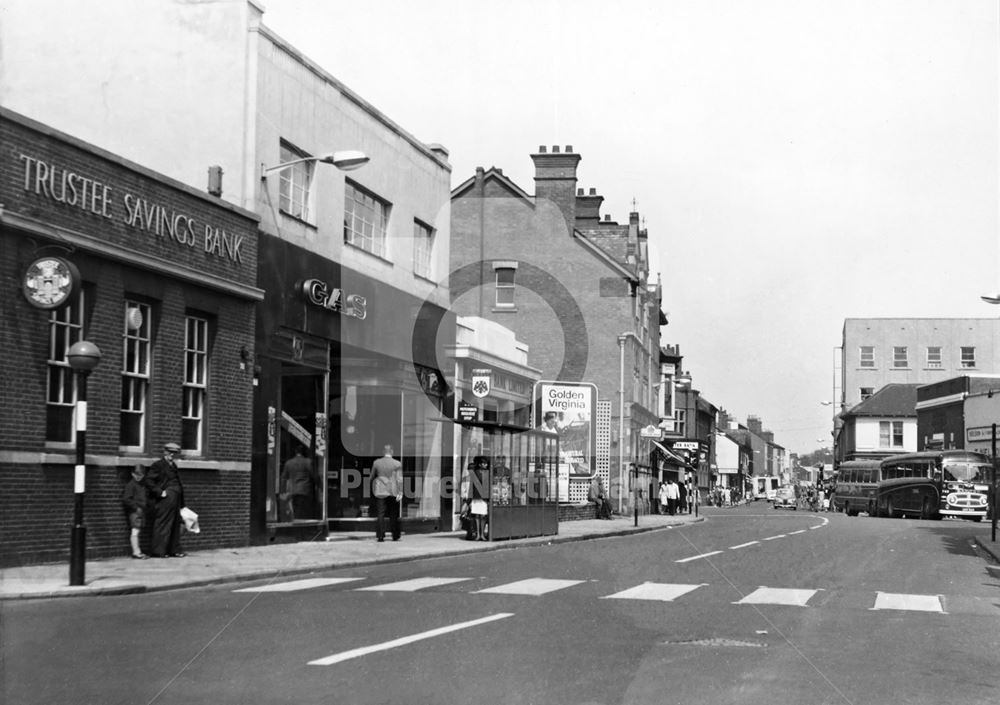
(297, 484)
(167, 494)
(663, 497)
(673, 494)
(387, 489)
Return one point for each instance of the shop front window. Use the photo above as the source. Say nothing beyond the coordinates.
(368, 414)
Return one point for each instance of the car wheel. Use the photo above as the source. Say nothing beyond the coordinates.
(927, 510)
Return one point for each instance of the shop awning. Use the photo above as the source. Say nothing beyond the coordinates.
(671, 455)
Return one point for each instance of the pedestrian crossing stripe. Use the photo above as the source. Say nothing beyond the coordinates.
(292, 586)
(413, 585)
(917, 603)
(777, 596)
(664, 592)
(532, 586)
(660, 592)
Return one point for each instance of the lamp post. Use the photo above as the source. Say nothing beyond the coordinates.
(993, 298)
(83, 357)
(621, 417)
(635, 492)
(345, 160)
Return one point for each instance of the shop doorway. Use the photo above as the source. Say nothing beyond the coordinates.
(297, 478)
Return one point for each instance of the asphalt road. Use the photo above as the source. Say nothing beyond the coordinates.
(751, 606)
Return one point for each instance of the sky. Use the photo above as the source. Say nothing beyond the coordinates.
(795, 162)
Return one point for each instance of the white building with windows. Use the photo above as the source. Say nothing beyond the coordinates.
(875, 352)
(884, 424)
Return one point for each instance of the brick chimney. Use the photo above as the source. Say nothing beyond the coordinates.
(555, 180)
(588, 208)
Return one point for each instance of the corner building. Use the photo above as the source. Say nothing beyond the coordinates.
(348, 344)
(162, 279)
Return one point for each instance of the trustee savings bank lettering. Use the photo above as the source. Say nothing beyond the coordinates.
(76, 190)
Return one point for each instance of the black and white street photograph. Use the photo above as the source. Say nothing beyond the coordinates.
(561, 352)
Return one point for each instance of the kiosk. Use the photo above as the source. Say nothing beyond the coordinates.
(520, 483)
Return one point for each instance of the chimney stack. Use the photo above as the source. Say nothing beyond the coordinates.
(555, 180)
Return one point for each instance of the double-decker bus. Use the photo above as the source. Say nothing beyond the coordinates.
(857, 485)
(934, 484)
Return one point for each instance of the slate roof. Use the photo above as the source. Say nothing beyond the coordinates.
(891, 400)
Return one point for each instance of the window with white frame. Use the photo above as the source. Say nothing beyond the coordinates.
(366, 220)
(295, 183)
(867, 356)
(195, 383)
(65, 328)
(680, 421)
(968, 356)
(890, 434)
(423, 246)
(899, 356)
(934, 357)
(505, 286)
(137, 346)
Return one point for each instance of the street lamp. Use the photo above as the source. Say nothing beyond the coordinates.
(621, 416)
(345, 160)
(83, 357)
(993, 299)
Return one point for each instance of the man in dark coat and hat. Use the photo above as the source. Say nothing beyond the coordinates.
(167, 496)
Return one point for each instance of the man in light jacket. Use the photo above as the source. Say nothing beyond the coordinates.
(387, 489)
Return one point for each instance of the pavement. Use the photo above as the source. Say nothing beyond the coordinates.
(125, 575)
(121, 576)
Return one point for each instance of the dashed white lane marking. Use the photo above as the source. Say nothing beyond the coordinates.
(777, 596)
(744, 545)
(412, 585)
(292, 586)
(700, 555)
(403, 641)
(899, 601)
(665, 592)
(531, 586)
(772, 538)
(800, 531)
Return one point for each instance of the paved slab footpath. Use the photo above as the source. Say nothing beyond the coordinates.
(118, 576)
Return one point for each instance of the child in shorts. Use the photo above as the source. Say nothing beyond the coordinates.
(134, 498)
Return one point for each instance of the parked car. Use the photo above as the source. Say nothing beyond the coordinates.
(785, 498)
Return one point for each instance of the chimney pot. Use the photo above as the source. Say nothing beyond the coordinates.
(555, 149)
(542, 149)
(569, 149)
(593, 191)
(579, 192)
(607, 216)
(215, 180)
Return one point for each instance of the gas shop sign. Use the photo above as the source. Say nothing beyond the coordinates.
(318, 293)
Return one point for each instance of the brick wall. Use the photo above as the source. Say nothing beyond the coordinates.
(577, 512)
(117, 262)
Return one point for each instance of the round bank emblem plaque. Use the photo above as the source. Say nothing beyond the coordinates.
(50, 282)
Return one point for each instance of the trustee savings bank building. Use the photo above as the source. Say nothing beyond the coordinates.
(161, 278)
